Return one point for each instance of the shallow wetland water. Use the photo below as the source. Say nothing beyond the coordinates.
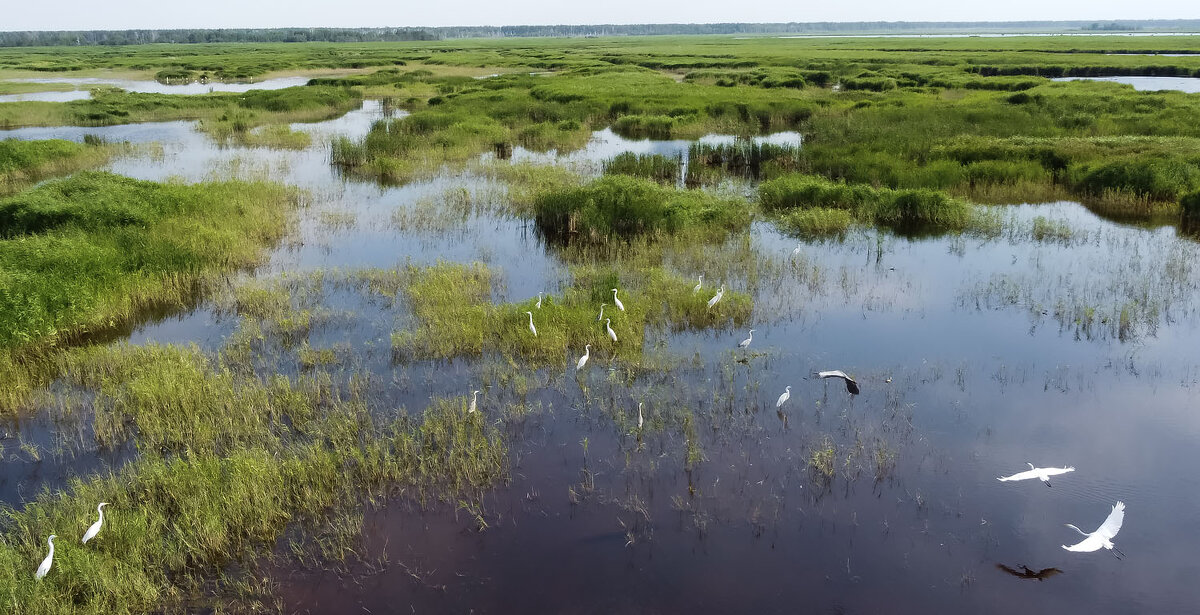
(1057, 338)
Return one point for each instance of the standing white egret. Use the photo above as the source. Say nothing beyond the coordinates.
(95, 529)
(787, 394)
(601, 316)
(531, 327)
(587, 352)
(699, 284)
(641, 419)
(851, 384)
(1103, 535)
(744, 344)
(608, 326)
(617, 302)
(716, 297)
(539, 303)
(1042, 473)
(46, 563)
(474, 399)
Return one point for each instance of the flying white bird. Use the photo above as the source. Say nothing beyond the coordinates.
(716, 297)
(1042, 473)
(1103, 535)
(95, 529)
(531, 327)
(608, 326)
(617, 302)
(851, 384)
(601, 317)
(46, 563)
(474, 399)
(539, 303)
(641, 419)
(744, 344)
(587, 352)
(787, 394)
(699, 284)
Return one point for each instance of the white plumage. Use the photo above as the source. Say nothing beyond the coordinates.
(787, 394)
(699, 284)
(474, 399)
(1103, 535)
(95, 528)
(744, 344)
(1043, 473)
(46, 563)
(641, 419)
(587, 352)
(608, 327)
(617, 302)
(716, 297)
(531, 327)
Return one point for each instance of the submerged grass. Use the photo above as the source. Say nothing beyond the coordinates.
(25, 162)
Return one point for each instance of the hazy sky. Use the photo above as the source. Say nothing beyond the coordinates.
(122, 14)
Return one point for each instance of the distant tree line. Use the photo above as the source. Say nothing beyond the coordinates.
(363, 35)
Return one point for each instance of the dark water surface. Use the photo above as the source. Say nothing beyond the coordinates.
(975, 354)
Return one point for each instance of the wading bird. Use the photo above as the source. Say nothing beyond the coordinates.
(474, 399)
(699, 284)
(617, 302)
(95, 529)
(716, 297)
(1026, 573)
(851, 384)
(46, 563)
(539, 303)
(787, 394)
(587, 352)
(641, 419)
(601, 316)
(1042, 473)
(1103, 535)
(531, 327)
(608, 327)
(744, 344)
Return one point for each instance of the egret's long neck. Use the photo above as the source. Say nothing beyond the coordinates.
(1078, 530)
(100, 509)
(51, 541)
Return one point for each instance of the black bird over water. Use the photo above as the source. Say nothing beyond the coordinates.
(1026, 573)
(851, 385)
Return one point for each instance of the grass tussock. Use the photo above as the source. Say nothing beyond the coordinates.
(23, 163)
(452, 317)
(83, 253)
(619, 206)
(902, 209)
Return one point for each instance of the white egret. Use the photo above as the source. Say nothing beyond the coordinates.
(787, 394)
(1103, 535)
(699, 284)
(474, 399)
(531, 327)
(1042, 473)
(608, 326)
(539, 303)
(641, 419)
(601, 316)
(46, 563)
(716, 297)
(95, 529)
(851, 384)
(587, 352)
(744, 344)
(617, 302)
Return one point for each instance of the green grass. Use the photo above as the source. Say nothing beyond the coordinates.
(662, 169)
(84, 253)
(25, 162)
(911, 210)
(452, 317)
(620, 206)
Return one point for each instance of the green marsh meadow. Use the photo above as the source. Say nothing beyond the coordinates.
(323, 345)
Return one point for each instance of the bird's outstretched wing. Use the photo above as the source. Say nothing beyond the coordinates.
(1027, 474)
(1091, 543)
(833, 373)
(1057, 471)
(1112, 524)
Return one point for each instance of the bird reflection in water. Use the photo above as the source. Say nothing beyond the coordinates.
(1026, 573)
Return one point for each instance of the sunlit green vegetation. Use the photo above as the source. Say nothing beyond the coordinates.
(26, 162)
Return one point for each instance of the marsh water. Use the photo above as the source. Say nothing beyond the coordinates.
(1057, 338)
(1190, 85)
(82, 86)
